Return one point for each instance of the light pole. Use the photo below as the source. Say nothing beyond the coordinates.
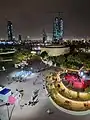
(7, 111)
(9, 114)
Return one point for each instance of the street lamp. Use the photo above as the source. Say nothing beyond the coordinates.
(9, 114)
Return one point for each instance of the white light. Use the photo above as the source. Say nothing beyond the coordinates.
(38, 48)
(28, 37)
(2, 39)
(33, 52)
(14, 37)
(84, 76)
(81, 73)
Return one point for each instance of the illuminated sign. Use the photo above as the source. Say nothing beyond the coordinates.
(6, 43)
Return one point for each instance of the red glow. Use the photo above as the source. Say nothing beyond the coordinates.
(76, 81)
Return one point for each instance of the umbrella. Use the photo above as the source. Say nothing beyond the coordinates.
(11, 100)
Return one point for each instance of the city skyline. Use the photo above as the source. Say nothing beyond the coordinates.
(29, 18)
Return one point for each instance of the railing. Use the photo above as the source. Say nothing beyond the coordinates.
(7, 60)
(9, 52)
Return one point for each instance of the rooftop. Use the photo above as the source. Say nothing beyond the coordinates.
(5, 91)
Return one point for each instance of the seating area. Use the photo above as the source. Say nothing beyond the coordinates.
(21, 75)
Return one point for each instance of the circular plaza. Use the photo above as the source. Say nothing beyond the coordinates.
(69, 89)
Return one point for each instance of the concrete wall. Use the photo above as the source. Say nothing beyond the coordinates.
(55, 51)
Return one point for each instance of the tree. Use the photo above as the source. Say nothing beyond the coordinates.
(72, 48)
(58, 64)
(44, 54)
(49, 58)
(70, 58)
(61, 59)
(77, 59)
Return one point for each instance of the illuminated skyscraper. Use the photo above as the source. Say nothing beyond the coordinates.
(61, 29)
(10, 30)
(57, 30)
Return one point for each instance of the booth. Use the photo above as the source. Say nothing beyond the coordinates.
(4, 94)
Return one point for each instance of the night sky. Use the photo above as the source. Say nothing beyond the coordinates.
(29, 17)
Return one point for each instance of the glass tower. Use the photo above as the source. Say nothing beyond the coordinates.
(61, 29)
(57, 30)
(10, 30)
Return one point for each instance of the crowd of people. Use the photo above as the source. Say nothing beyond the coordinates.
(35, 97)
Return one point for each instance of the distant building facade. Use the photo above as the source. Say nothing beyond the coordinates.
(20, 38)
(44, 36)
(57, 30)
(10, 30)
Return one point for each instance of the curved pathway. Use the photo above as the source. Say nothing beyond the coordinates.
(69, 111)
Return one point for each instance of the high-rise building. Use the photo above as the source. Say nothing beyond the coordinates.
(44, 36)
(61, 29)
(57, 30)
(10, 30)
(19, 37)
